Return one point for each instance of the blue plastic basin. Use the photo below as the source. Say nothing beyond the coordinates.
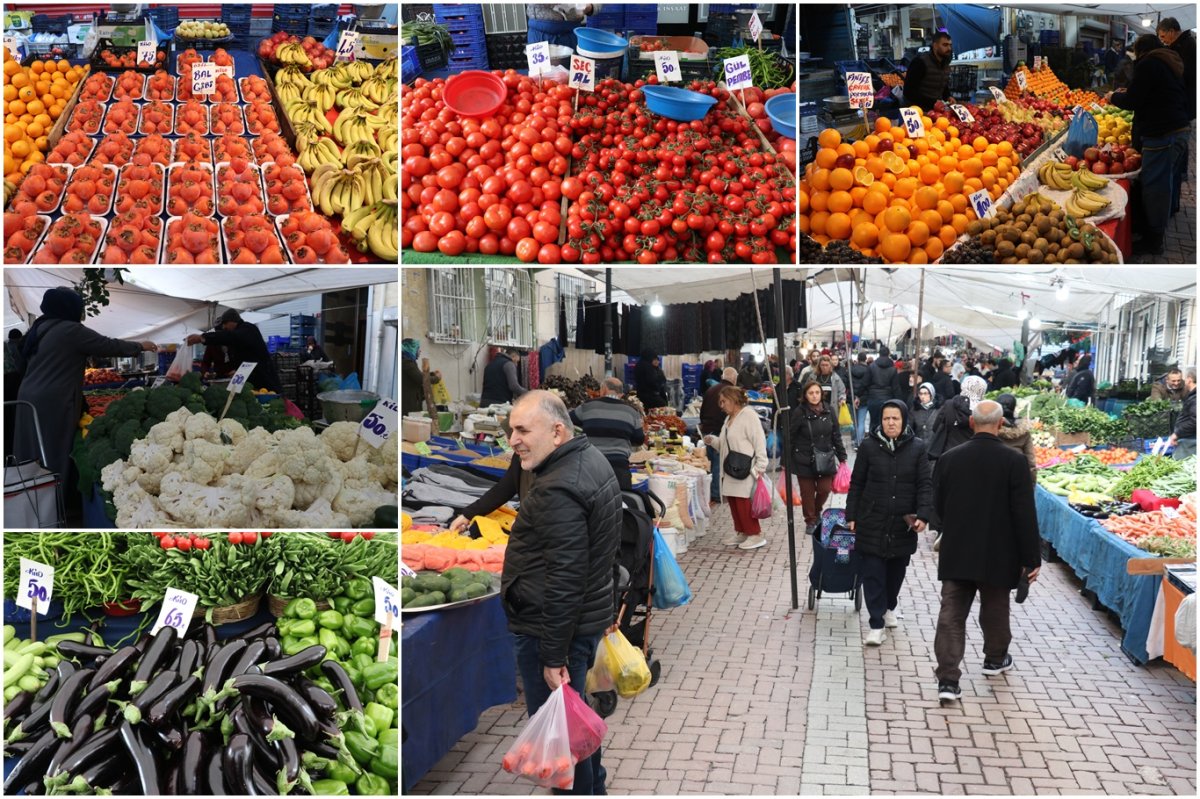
(781, 110)
(600, 42)
(682, 105)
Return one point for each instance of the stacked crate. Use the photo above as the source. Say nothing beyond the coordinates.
(166, 18)
(302, 326)
(237, 19)
(641, 19)
(322, 21)
(611, 18)
(410, 63)
(291, 19)
(507, 50)
(465, 24)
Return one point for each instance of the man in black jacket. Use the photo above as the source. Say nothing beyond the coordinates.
(1003, 377)
(881, 385)
(245, 343)
(928, 76)
(1184, 435)
(500, 381)
(1183, 43)
(858, 376)
(983, 497)
(712, 418)
(557, 584)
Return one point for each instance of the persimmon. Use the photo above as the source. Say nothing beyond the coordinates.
(60, 240)
(143, 255)
(180, 257)
(243, 255)
(321, 241)
(293, 190)
(304, 255)
(46, 201)
(83, 188)
(258, 239)
(195, 238)
(99, 203)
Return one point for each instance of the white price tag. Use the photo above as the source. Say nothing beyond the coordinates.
(898, 93)
(756, 27)
(911, 117)
(538, 56)
(1160, 446)
(405, 571)
(962, 113)
(1021, 81)
(377, 426)
(1097, 108)
(37, 580)
(158, 381)
(981, 201)
(583, 74)
(387, 598)
(176, 611)
(737, 73)
(666, 64)
(347, 46)
(860, 89)
(204, 78)
(999, 95)
(1059, 154)
(238, 381)
(1169, 512)
(227, 71)
(147, 53)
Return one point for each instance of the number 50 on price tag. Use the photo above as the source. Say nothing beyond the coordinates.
(238, 381)
(387, 603)
(377, 426)
(666, 64)
(176, 611)
(37, 582)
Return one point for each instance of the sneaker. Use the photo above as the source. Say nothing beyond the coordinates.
(875, 637)
(734, 540)
(753, 542)
(949, 692)
(890, 620)
(992, 668)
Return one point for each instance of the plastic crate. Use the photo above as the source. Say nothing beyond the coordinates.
(464, 27)
(320, 28)
(444, 12)
(1048, 38)
(292, 11)
(850, 66)
(326, 11)
(298, 27)
(963, 79)
(410, 62)
(469, 39)
(468, 50)
(476, 61)
(45, 23)
(431, 56)
(235, 13)
(609, 20)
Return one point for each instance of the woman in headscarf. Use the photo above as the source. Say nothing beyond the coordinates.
(412, 391)
(1017, 434)
(922, 412)
(1082, 384)
(650, 381)
(952, 426)
(706, 374)
(55, 351)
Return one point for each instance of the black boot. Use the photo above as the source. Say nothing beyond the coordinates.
(1151, 243)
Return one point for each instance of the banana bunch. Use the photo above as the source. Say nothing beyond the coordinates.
(1087, 180)
(337, 191)
(289, 92)
(323, 96)
(375, 176)
(361, 150)
(307, 134)
(388, 69)
(374, 227)
(321, 152)
(292, 54)
(389, 138)
(355, 125)
(359, 71)
(379, 89)
(1084, 203)
(1056, 175)
(340, 76)
(10, 189)
(293, 75)
(356, 98)
(1042, 203)
(300, 111)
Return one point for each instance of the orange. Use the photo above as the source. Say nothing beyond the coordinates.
(63, 66)
(36, 67)
(959, 222)
(989, 158)
(882, 125)
(56, 111)
(840, 202)
(856, 195)
(845, 148)
(965, 151)
(42, 143)
(21, 148)
(947, 236)
(918, 233)
(803, 201)
(820, 180)
(905, 187)
(945, 210)
(829, 138)
(895, 248)
(947, 163)
(12, 134)
(943, 123)
(819, 201)
(838, 227)
(10, 92)
(861, 150)
(43, 120)
(875, 201)
(952, 132)
(980, 144)
(27, 93)
(841, 179)
(972, 167)
(865, 235)
(934, 249)
(16, 107)
(805, 224)
(897, 219)
(34, 130)
(932, 219)
(863, 176)
(930, 174)
(892, 161)
(902, 151)
(21, 80)
(875, 167)
(11, 68)
(917, 256)
(818, 221)
(36, 107)
(926, 198)
(826, 158)
(1005, 148)
(954, 181)
(959, 202)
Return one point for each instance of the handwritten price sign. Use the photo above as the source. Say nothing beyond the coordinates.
(963, 113)
(1021, 81)
(347, 46)
(227, 71)
(913, 125)
(387, 600)
(666, 64)
(146, 53)
(538, 55)
(204, 78)
(981, 201)
(238, 381)
(756, 26)
(737, 73)
(862, 93)
(999, 95)
(176, 611)
(37, 581)
(583, 74)
(378, 425)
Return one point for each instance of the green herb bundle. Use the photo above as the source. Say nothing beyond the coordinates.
(1144, 474)
(89, 568)
(767, 69)
(315, 566)
(222, 575)
(1102, 427)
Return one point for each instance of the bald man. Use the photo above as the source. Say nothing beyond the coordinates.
(613, 426)
(990, 544)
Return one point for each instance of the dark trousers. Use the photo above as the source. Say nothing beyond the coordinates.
(881, 581)
(1163, 159)
(814, 493)
(875, 409)
(951, 639)
(589, 774)
(714, 462)
(624, 476)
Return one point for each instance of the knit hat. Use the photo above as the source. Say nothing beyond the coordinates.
(729, 375)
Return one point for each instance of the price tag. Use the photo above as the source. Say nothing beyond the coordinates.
(227, 71)
(347, 46)
(1160, 446)
(538, 55)
(204, 78)
(1169, 512)
(405, 571)
(1059, 154)
(422, 448)
(158, 381)
(176, 611)
(981, 201)
(1021, 81)
(911, 117)
(898, 93)
(37, 580)
(583, 73)
(737, 73)
(860, 90)
(387, 600)
(147, 53)
(999, 95)
(238, 381)
(962, 113)
(756, 27)
(378, 425)
(504, 445)
(666, 64)
(1097, 108)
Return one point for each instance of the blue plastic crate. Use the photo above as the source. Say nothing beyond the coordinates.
(469, 40)
(325, 11)
(235, 13)
(607, 20)
(442, 12)
(45, 23)
(297, 27)
(320, 28)
(292, 11)
(410, 63)
(476, 61)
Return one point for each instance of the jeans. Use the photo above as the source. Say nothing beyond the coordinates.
(714, 462)
(1184, 448)
(1164, 158)
(860, 423)
(589, 774)
(950, 641)
(881, 581)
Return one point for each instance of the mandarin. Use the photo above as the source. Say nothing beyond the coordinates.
(897, 219)
(838, 226)
(865, 235)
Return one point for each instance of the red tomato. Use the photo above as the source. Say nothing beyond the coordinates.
(182, 544)
(497, 217)
(572, 188)
(425, 241)
(166, 542)
(549, 254)
(249, 538)
(235, 538)
(453, 243)
(545, 232)
(519, 228)
(442, 223)
(489, 244)
(476, 227)
(527, 250)
(448, 177)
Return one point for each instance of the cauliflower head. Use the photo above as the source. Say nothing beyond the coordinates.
(341, 439)
(166, 434)
(154, 460)
(360, 503)
(234, 431)
(256, 443)
(315, 474)
(267, 496)
(203, 462)
(319, 515)
(202, 506)
(204, 427)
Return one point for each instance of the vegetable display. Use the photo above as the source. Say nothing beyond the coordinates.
(1181, 481)
(1149, 419)
(1145, 473)
(1168, 532)
(766, 68)
(89, 571)
(1102, 427)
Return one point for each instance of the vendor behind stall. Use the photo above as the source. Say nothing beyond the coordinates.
(928, 77)
(556, 22)
(313, 350)
(215, 363)
(245, 343)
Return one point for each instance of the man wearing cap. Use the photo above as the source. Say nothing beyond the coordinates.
(245, 343)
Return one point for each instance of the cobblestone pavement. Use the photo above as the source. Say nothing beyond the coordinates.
(757, 698)
(1179, 243)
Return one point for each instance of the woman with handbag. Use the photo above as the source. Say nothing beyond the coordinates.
(817, 449)
(743, 448)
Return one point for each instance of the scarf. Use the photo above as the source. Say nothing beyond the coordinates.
(973, 388)
(411, 348)
(62, 303)
(932, 395)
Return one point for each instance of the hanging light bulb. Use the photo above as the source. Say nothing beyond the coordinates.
(656, 308)
(1022, 314)
(1145, 23)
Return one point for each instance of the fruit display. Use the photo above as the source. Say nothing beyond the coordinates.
(35, 96)
(450, 586)
(90, 190)
(1111, 159)
(1083, 200)
(196, 29)
(239, 189)
(251, 239)
(1024, 128)
(1036, 231)
(130, 86)
(1115, 125)
(43, 187)
(310, 239)
(286, 50)
(157, 118)
(133, 238)
(156, 146)
(140, 187)
(115, 149)
(192, 239)
(72, 239)
(1045, 84)
(21, 234)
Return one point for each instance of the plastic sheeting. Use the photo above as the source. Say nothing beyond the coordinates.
(970, 27)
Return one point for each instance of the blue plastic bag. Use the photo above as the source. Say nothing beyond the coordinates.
(772, 444)
(671, 588)
(1082, 134)
(350, 382)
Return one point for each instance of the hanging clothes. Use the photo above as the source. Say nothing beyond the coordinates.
(563, 338)
(716, 327)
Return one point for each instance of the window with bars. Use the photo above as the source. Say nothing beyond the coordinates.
(570, 289)
(508, 298)
(452, 304)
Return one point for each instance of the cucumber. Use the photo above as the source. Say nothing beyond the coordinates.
(431, 582)
(476, 590)
(428, 600)
(459, 594)
(407, 595)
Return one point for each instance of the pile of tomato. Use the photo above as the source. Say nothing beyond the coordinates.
(643, 188)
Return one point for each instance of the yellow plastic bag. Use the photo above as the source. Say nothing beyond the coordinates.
(441, 394)
(844, 416)
(626, 664)
(598, 677)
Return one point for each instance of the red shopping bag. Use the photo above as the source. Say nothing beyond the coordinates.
(585, 729)
(841, 480)
(760, 504)
(782, 489)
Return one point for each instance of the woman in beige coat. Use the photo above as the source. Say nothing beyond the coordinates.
(742, 432)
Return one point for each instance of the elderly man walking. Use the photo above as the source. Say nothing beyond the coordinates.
(613, 426)
(990, 544)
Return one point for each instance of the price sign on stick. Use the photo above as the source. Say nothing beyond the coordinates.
(1059, 154)
(147, 53)
(1021, 81)
(538, 55)
(176, 611)
(756, 27)
(858, 85)
(36, 583)
(583, 74)
(387, 602)
(204, 78)
(666, 64)
(378, 425)
(405, 571)
(158, 381)
(238, 381)
(913, 125)
(1096, 107)
(999, 95)
(347, 46)
(737, 73)
(962, 113)
(981, 201)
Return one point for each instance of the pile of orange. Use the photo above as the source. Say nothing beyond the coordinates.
(900, 199)
(1045, 84)
(34, 99)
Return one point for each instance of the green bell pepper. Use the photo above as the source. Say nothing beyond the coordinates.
(364, 608)
(342, 604)
(380, 714)
(354, 674)
(372, 785)
(368, 727)
(387, 763)
(358, 627)
(343, 646)
(301, 609)
(329, 640)
(302, 628)
(361, 661)
(363, 646)
(300, 644)
(330, 788)
(359, 588)
(341, 772)
(377, 675)
(389, 696)
(330, 620)
(361, 747)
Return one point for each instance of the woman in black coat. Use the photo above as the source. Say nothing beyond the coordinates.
(890, 501)
(922, 412)
(650, 381)
(1083, 383)
(814, 427)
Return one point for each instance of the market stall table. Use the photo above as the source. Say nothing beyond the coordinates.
(1178, 581)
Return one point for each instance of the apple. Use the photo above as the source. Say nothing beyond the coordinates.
(1100, 168)
(1133, 163)
(846, 161)
(1072, 162)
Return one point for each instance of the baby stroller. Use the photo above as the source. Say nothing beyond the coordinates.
(634, 584)
(835, 562)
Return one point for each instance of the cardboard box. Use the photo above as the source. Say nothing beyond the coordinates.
(1072, 439)
(415, 430)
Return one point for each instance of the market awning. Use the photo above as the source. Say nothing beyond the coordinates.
(970, 27)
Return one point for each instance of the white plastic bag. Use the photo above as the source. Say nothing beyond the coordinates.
(542, 752)
(180, 366)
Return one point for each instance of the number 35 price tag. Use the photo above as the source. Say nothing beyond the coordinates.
(37, 580)
(377, 426)
(176, 611)
(538, 55)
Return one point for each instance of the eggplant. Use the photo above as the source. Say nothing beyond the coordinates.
(64, 669)
(167, 704)
(299, 716)
(236, 760)
(219, 663)
(114, 667)
(104, 771)
(93, 704)
(261, 631)
(301, 661)
(82, 755)
(340, 679)
(82, 652)
(18, 748)
(274, 648)
(215, 774)
(142, 643)
(320, 699)
(126, 786)
(136, 710)
(322, 749)
(210, 636)
(258, 713)
(251, 655)
(189, 659)
(171, 737)
(289, 754)
(191, 763)
(19, 707)
(155, 655)
(65, 700)
(80, 731)
(263, 751)
(263, 785)
(142, 754)
(172, 785)
(34, 723)
(33, 764)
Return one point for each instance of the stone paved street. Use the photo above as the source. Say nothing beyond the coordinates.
(757, 698)
(1179, 243)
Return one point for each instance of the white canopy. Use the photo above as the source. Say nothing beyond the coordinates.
(1132, 13)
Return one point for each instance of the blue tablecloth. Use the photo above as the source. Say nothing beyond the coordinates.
(457, 664)
(114, 628)
(1098, 557)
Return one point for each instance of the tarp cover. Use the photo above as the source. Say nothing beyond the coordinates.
(970, 27)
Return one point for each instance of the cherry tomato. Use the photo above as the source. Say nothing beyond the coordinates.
(166, 542)
(249, 538)
(572, 188)
(235, 538)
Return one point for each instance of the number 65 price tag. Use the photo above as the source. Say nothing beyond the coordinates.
(37, 580)
(377, 426)
(176, 611)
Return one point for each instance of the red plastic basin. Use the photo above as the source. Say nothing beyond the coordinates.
(474, 93)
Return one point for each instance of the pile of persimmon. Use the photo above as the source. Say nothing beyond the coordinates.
(141, 187)
(225, 91)
(239, 192)
(229, 147)
(122, 117)
(310, 239)
(90, 190)
(285, 189)
(186, 59)
(192, 239)
(132, 239)
(255, 90)
(227, 118)
(73, 148)
(21, 232)
(193, 148)
(128, 59)
(251, 239)
(190, 189)
(191, 117)
(71, 240)
(43, 186)
(273, 147)
(160, 87)
(156, 117)
(260, 117)
(116, 149)
(97, 87)
(87, 116)
(183, 89)
(129, 86)
(221, 57)
(155, 146)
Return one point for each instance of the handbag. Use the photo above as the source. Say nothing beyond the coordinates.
(737, 465)
(824, 461)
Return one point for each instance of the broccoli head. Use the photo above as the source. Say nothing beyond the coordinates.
(214, 399)
(191, 382)
(102, 427)
(196, 404)
(162, 401)
(124, 436)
